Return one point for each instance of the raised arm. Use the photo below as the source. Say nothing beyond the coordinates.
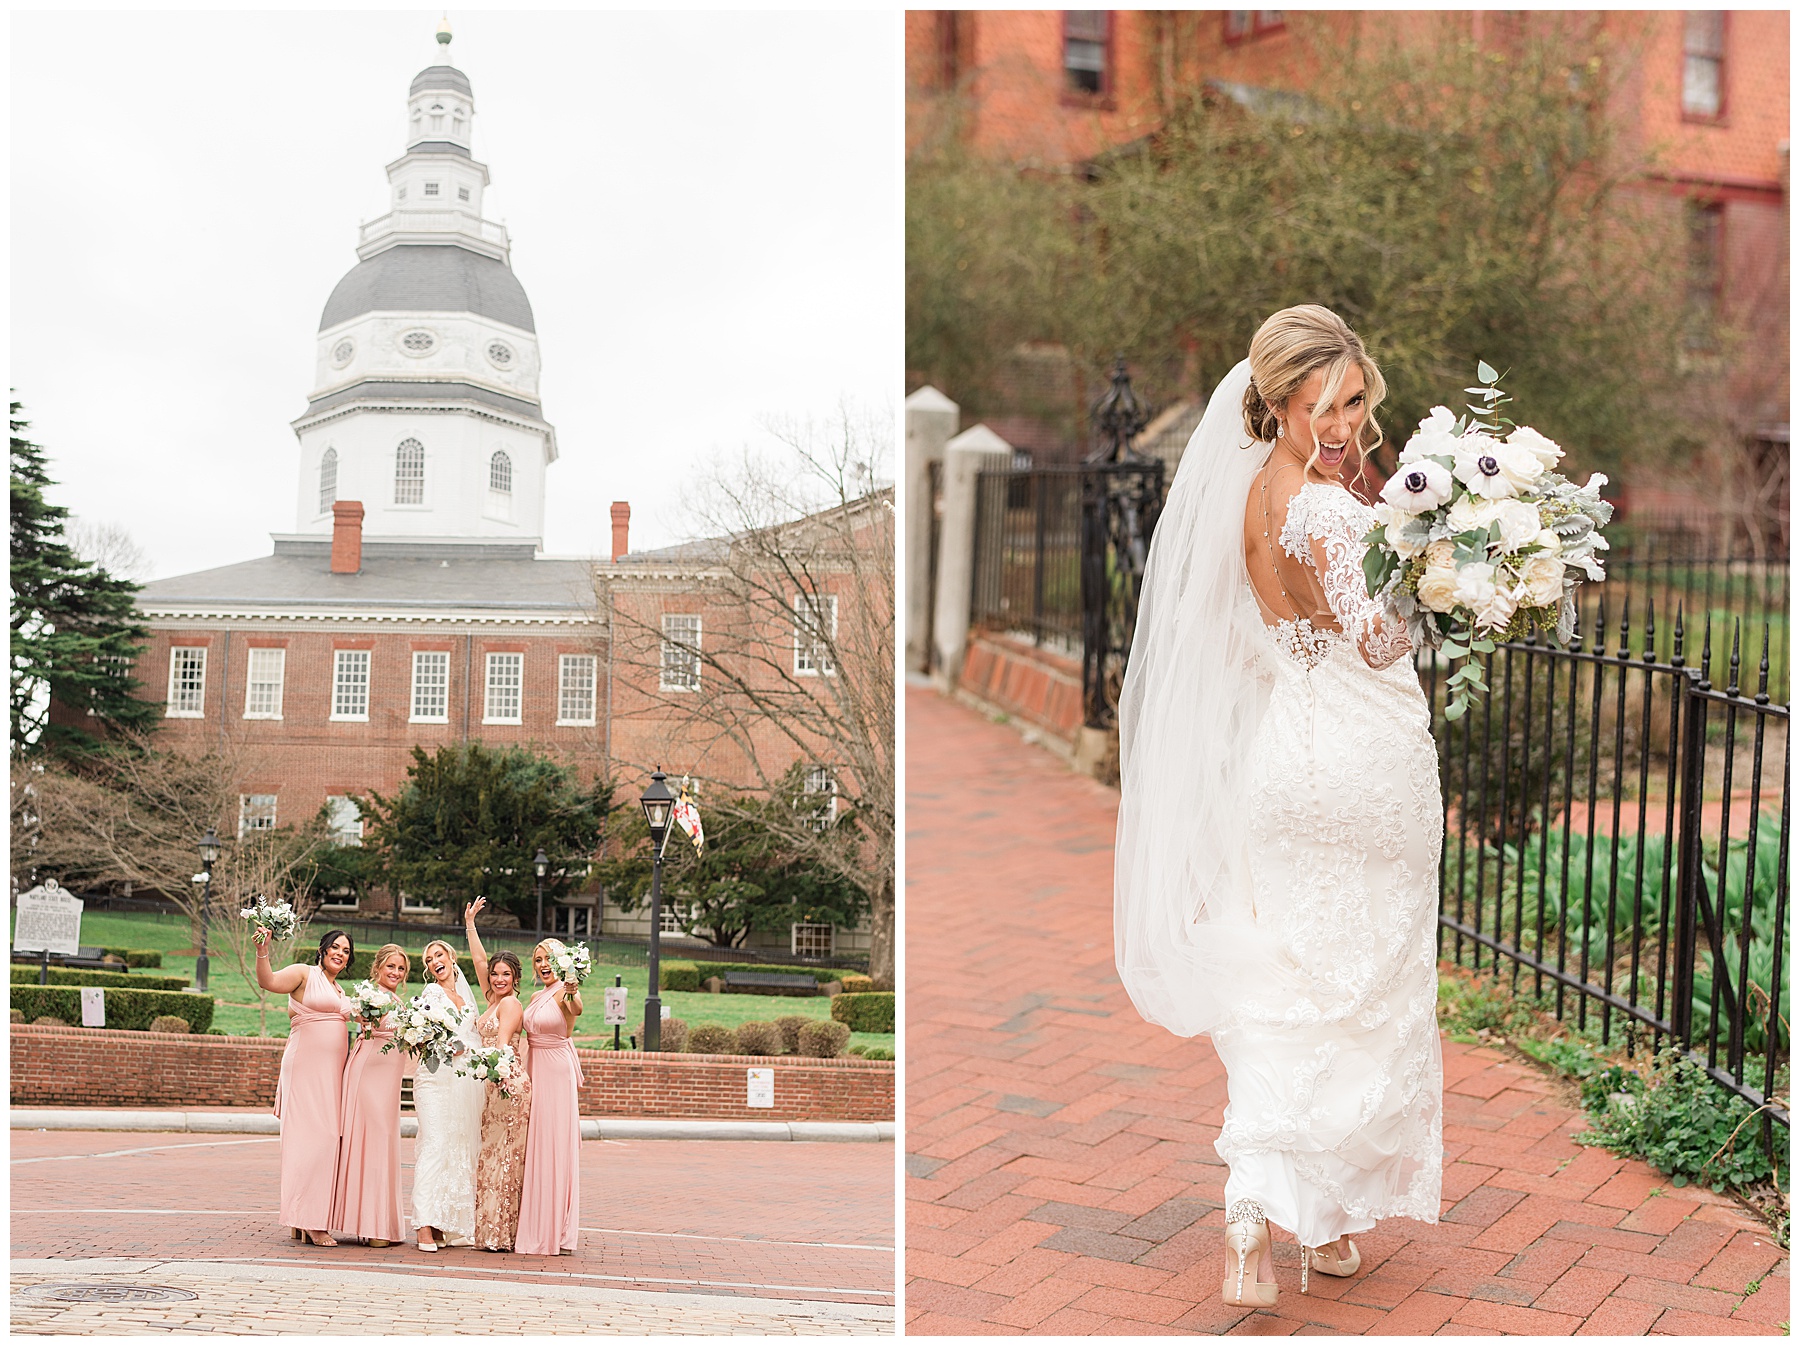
(477, 954)
(288, 980)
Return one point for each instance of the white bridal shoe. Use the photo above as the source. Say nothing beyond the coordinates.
(1247, 1235)
(1326, 1262)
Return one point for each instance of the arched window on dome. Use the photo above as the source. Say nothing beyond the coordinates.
(437, 116)
(500, 484)
(409, 473)
(327, 480)
(456, 122)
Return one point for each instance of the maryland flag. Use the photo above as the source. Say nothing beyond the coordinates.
(687, 818)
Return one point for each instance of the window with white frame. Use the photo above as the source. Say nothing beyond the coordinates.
(350, 685)
(256, 813)
(505, 678)
(417, 905)
(575, 689)
(431, 687)
(680, 652)
(409, 473)
(811, 940)
(431, 188)
(674, 920)
(462, 193)
(339, 899)
(345, 820)
(328, 478)
(500, 485)
(263, 685)
(1703, 63)
(187, 682)
(815, 633)
(820, 803)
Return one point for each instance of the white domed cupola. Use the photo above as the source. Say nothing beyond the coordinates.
(425, 399)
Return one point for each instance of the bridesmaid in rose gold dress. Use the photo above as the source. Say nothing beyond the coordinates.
(500, 1166)
(550, 1210)
(310, 1094)
(366, 1202)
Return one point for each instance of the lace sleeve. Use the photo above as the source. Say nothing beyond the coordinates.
(1333, 522)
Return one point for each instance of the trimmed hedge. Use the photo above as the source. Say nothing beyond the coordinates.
(865, 1012)
(26, 974)
(872, 1053)
(136, 957)
(678, 975)
(854, 983)
(823, 1038)
(170, 1023)
(674, 1034)
(712, 1040)
(132, 1010)
(758, 1039)
(790, 1026)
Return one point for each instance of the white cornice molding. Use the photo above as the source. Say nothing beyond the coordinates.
(432, 407)
(191, 615)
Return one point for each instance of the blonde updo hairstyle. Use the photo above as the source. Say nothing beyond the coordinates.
(384, 953)
(552, 949)
(439, 944)
(1286, 350)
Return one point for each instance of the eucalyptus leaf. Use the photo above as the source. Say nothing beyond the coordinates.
(1485, 372)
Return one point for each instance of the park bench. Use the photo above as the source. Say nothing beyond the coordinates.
(780, 983)
(91, 959)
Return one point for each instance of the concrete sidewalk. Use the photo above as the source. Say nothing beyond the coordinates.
(1061, 1170)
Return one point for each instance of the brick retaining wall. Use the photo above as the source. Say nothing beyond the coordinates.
(100, 1067)
(1028, 683)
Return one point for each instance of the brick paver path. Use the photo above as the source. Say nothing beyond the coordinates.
(1061, 1171)
(756, 1225)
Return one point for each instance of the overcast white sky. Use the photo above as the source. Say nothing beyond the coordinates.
(704, 212)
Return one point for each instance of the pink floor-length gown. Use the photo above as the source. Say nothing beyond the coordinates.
(309, 1099)
(550, 1206)
(366, 1202)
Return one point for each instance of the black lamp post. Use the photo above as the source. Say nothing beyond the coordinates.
(658, 804)
(542, 862)
(209, 852)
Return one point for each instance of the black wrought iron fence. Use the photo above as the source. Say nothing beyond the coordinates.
(1617, 834)
(1028, 555)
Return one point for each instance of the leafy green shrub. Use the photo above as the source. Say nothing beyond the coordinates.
(823, 1038)
(712, 1040)
(758, 1039)
(867, 1012)
(132, 1010)
(678, 976)
(135, 957)
(1681, 1122)
(217, 1033)
(170, 1023)
(818, 974)
(873, 1053)
(674, 1034)
(24, 973)
(790, 1026)
(18, 1016)
(49, 1021)
(854, 983)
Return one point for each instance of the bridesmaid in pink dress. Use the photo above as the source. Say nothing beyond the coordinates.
(366, 1202)
(309, 1097)
(550, 1207)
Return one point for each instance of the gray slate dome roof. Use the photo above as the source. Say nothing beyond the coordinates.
(441, 77)
(432, 278)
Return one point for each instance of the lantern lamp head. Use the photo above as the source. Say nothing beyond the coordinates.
(209, 847)
(658, 804)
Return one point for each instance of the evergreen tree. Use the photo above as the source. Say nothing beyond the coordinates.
(75, 628)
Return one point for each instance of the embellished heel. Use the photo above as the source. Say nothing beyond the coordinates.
(1247, 1235)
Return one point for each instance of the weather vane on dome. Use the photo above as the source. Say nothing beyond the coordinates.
(443, 32)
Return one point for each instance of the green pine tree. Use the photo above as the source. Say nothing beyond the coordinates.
(75, 628)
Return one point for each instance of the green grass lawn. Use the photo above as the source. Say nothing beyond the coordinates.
(235, 998)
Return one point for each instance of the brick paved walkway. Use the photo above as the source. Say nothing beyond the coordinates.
(1061, 1173)
(750, 1223)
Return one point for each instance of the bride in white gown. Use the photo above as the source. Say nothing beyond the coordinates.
(449, 1107)
(1280, 820)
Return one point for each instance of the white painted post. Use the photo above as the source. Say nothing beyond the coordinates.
(970, 452)
(931, 421)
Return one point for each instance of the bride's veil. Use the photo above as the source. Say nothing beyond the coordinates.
(1193, 697)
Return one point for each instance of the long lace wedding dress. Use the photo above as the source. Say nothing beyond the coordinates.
(449, 1107)
(1277, 861)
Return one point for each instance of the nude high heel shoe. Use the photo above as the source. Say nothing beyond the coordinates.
(1247, 1235)
(1326, 1262)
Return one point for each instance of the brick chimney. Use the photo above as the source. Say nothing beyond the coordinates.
(621, 519)
(346, 537)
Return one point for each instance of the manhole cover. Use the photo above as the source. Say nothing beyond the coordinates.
(109, 1293)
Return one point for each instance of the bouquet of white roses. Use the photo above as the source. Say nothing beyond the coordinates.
(493, 1065)
(573, 963)
(426, 1030)
(1478, 541)
(371, 1001)
(278, 918)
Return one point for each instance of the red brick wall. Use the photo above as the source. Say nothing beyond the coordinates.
(98, 1067)
(1039, 687)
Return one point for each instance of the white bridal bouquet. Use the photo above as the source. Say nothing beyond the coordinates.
(575, 960)
(372, 1001)
(426, 1030)
(1478, 541)
(278, 918)
(493, 1065)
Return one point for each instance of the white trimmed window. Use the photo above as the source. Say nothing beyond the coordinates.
(808, 940)
(409, 473)
(263, 686)
(350, 685)
(575, 689)
(500, 485)
(431, 687)
(1703, 63)
(256, 813)
(821, 790)
(462, 193)
(815, 633)
(674, 920)
(187, 682)
(339, 899)
(431, 188)
(346, 822)
(328, 476)
(505, 677)
(416, 905)
(680, 652)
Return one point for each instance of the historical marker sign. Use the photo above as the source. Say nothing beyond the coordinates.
(761, 1091)
(49, 921)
